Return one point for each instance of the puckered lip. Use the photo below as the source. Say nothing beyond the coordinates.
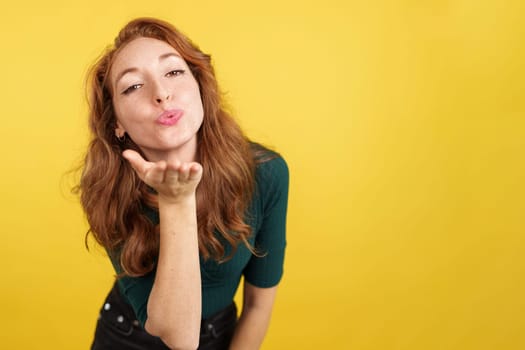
(170, 116)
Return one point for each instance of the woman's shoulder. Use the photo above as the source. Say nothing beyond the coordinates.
(267, 161)
(271, 172)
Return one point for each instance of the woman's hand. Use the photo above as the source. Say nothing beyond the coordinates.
(173, 181)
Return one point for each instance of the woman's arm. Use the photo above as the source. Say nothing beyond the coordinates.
(174, 304)
(255, 317)
(263, 273)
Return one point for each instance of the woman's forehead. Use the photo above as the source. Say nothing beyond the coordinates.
(141, 52)
(141, 48)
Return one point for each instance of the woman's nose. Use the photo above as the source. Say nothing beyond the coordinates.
(161, 94)
(160, 99)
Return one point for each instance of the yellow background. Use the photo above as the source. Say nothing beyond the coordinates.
(403, 126)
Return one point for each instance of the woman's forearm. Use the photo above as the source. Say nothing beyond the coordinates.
(174, 305)
(255, 317)
(251, 329)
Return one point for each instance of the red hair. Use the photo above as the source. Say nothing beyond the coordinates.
(112, 195)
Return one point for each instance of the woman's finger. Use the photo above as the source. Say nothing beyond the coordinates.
(172, 172)
(137, 162)
(195, 172)
(156, 174)
(184, 172)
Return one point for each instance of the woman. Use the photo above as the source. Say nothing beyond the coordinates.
(181, 200)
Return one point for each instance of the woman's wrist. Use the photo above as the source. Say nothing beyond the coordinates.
(178, 215)
(186, 200)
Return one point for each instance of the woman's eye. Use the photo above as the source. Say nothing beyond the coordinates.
(175, 72)
(131, 89)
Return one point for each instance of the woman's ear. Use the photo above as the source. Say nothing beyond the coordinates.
(119, 130)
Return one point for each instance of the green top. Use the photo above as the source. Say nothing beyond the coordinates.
(267, 218)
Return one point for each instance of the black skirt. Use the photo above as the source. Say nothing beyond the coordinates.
(118, 328)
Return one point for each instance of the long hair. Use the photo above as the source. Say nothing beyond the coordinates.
(114, 198)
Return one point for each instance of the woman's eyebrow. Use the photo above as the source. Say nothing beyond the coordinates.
(124, 72)
(133, 69)
(168, 54)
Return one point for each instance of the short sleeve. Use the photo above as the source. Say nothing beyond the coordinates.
(265, 269)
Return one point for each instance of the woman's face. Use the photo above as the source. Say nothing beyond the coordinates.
(156, 100)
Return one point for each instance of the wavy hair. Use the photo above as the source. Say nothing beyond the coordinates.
(114, 198)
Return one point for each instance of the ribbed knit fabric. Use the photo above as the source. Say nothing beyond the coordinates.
(267, 217)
